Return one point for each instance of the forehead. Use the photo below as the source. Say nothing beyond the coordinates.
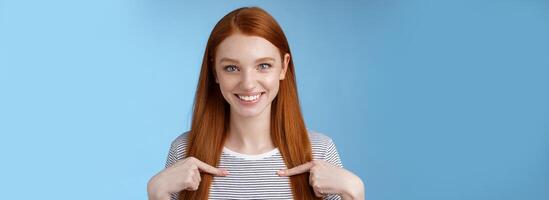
(246, 48)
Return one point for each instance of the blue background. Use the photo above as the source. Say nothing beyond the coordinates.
(424, 99)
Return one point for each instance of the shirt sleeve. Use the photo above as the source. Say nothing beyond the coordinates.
(332, 156)
(174, 154)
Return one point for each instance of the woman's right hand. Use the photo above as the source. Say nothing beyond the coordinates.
(182, 175)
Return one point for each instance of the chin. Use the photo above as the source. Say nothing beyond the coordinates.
(248, 113)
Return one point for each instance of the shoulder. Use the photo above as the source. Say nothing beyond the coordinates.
(181, 139)
(178, 149)
(179, 145)
(319, 139)
(320, 143)
(324, 148)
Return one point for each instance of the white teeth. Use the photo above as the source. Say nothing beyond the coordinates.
(249, 98)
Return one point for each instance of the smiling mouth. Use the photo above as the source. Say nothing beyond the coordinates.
(249, 97)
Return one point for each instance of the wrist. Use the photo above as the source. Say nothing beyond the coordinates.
(354, 190)
(159, 196)
(154, 190)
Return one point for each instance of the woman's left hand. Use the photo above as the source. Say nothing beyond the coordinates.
(326, 178)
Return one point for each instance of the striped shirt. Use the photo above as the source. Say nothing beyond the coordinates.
(254, 176)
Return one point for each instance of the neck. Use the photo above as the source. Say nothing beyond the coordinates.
(250, 135)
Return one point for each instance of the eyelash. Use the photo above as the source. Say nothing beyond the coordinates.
(269, 65)
(228, 66)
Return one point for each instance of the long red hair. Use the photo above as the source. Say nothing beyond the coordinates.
(210, 120)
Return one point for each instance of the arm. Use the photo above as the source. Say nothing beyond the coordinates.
(355, 186)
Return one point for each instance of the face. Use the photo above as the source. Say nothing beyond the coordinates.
(248, 71)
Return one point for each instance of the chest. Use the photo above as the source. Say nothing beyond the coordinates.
(251, 179)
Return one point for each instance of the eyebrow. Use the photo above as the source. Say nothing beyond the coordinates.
(236, 61)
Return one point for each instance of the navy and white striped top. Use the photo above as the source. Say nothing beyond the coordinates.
(254, 176)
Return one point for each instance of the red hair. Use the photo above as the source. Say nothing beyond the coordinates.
(210, 120)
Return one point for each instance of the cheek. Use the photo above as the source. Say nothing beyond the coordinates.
(226, 86)
(226, 82)
(272, 84)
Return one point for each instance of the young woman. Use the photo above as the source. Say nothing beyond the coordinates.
(248, 139)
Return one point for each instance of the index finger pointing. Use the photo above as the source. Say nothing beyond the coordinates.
(209, 169)
(297, 170)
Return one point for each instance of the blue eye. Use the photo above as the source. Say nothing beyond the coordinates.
(264, 66)
(230, 68)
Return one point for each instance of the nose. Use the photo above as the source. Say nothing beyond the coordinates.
(248, 80)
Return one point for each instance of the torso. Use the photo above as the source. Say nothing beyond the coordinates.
(254, 176)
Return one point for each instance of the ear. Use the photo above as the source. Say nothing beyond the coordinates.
(285, 64)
